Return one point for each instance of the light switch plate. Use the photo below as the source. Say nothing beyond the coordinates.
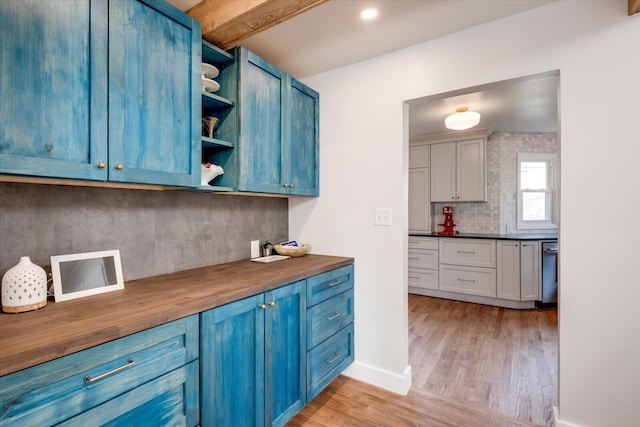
(382, 216)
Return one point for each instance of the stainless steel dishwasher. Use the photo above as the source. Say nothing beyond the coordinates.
(549, 281)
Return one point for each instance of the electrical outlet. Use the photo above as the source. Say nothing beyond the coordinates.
(255, 248)
(382, 216)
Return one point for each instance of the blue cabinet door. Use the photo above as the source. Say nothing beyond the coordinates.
(232, 364)
(261, 97)
(53, 102)
(301, 148)
(154, 94)
(285, 353)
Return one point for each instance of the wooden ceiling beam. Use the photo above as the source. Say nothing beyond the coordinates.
(634, 6)
(226, 22)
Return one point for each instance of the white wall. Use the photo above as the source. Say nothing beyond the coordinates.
(596, 47)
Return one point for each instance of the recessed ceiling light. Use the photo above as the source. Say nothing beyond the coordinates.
(368, 14)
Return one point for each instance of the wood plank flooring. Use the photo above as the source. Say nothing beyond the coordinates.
(472, 366)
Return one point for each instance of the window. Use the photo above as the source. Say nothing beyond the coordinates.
(537, 199)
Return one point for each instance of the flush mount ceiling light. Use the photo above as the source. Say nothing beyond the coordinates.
(462, 119)
(368, 14)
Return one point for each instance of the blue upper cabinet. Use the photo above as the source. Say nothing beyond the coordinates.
(53, 107)
(301, 150)
(100, 90)
(278, 132)
(262, 94)
(154, 94)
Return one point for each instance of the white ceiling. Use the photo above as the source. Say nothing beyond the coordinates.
(331, 35)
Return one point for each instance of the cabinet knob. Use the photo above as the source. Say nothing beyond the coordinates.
(285, 185)
(290, 185)
(262, 306)
(119, 167)
(272, 303)
(101, 165)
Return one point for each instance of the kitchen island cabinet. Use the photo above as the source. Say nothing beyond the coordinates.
(97, 100)
(121, 333)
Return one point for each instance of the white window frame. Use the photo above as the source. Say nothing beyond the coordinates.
(551, 192)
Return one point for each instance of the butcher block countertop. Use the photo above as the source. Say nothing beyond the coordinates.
(30, 338)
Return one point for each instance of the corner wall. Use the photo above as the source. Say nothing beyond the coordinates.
(363, 150)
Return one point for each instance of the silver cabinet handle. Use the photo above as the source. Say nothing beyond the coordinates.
(335, 316)
(129, 364)
(333, 359)
(466, 280)
(413, 241)
(414, 258)
(466, 252)
(414, 277)
(332, 284)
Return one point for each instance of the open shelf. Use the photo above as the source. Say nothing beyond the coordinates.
(212, 189)
(214, 55)
(211, 101)
(215, 143)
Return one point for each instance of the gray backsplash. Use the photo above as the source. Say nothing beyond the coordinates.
(156, 232)
(498, 214)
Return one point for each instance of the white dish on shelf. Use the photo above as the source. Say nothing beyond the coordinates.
(209, 71)
(209, 85)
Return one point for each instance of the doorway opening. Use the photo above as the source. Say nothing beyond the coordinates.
(486, 348)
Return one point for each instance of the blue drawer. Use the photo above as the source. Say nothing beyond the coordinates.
(55, 391)
(328, 317)
(326, 361)
(326, 285)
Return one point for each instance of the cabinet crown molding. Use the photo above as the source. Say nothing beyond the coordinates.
(451, 136)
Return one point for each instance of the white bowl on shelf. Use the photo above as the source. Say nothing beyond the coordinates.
(209, 85)
(209, 71)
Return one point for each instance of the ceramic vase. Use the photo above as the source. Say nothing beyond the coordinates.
(24, 287)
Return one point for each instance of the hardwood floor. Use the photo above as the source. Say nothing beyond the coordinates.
(473, 366)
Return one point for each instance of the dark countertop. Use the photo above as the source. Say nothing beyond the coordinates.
(499, 236)
(61, 328)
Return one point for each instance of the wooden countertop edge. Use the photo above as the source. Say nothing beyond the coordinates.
(59, 329)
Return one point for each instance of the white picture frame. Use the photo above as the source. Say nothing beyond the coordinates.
(90, 273)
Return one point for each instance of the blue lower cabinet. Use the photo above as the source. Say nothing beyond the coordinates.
(150, 376)
(253, 359)
(330, 316)
(328, 359)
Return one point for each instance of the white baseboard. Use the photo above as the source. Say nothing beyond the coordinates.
(399, 384)
(559, 422)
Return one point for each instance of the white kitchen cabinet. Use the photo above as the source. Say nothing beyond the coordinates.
(471, 252)
(529, 270)
(458, 171)
(422, 263)
(419, 199)
(518, 270)
(508, 269)
(418, 156)
(468, 280)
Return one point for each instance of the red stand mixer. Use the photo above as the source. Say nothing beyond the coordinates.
(448, 223)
